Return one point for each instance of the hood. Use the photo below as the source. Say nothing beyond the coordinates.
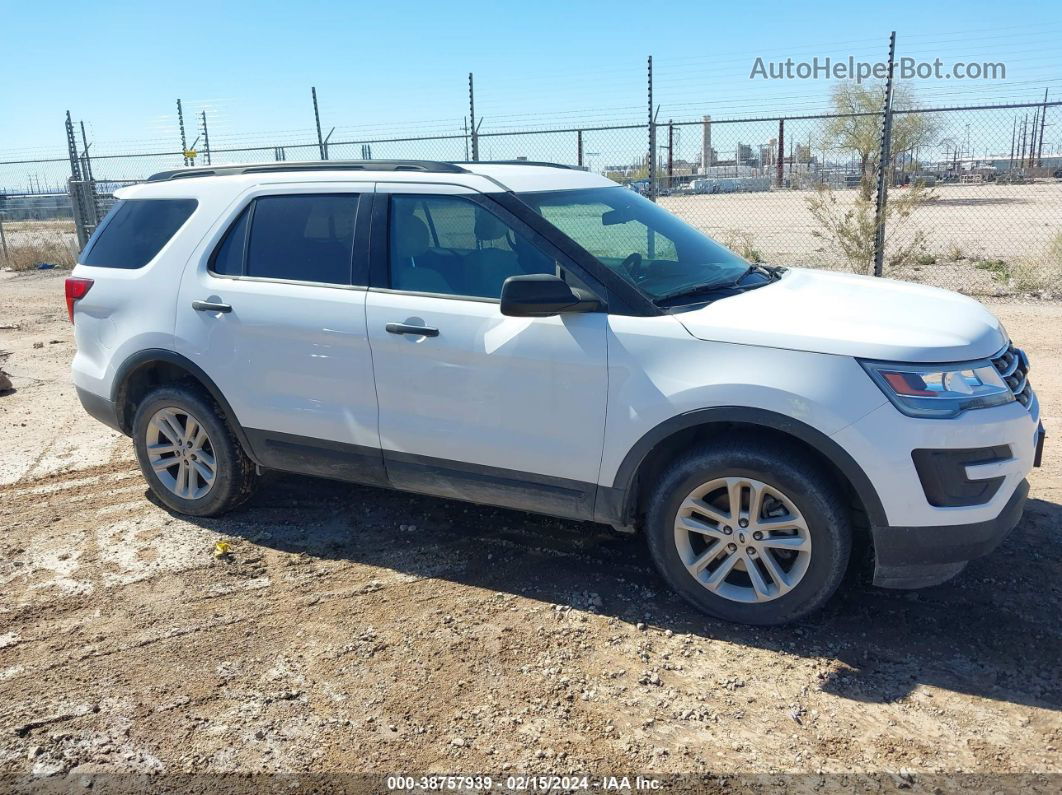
(840, 313)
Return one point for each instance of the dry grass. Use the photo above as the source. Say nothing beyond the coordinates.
(32, 243)
(28, 256)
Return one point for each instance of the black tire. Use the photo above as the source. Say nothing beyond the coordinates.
(234, 478)
(783, 467)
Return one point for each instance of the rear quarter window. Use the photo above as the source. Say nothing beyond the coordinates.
(135, 230)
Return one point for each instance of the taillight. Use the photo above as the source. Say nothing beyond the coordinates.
(76, 289)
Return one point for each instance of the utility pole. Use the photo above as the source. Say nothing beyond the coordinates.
(317, 121)
(1013, 140)
(1043, 120)
(1032, 138)
(706, 145)
(472, 118)
(1024, 134)
(206, 138)
(184, 141)
(883, 164)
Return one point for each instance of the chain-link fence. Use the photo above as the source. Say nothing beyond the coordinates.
(968, 207)
(972, 200)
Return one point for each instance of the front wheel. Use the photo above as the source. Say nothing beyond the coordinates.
(752, 532)
(190, 457)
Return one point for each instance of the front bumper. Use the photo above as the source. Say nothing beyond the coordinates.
(917, 557)
(881, 443)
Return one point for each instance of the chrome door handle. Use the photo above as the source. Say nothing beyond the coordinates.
(405, 328)
(210, 306)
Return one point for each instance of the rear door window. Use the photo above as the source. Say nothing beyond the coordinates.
(135, 230)
(302, 237)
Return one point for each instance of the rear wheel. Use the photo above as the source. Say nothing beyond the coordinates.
(750, 532)
(189, 455)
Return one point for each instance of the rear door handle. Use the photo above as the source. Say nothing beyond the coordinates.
(405, 328)
(210, 306)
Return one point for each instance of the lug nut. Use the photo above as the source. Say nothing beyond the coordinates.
(743, 522)
(758, 535)
(727, 530)
(731, 547)
(751, 551)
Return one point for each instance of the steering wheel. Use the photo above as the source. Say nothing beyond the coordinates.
(633, 265)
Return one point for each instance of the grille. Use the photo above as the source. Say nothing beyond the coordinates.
(1013, 366)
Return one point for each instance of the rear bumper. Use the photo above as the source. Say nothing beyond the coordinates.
(917, 557)
(99, 407)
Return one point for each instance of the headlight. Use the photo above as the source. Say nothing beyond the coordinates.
(941, 391)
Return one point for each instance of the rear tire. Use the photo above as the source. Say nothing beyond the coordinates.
(777, 558)
(189, 455)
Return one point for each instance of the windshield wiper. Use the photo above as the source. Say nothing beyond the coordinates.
(732, 287)
(697, 289)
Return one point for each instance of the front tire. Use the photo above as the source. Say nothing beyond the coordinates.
(189, 455)
(750, 531)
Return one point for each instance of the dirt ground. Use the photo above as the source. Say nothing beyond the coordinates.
(360, 630)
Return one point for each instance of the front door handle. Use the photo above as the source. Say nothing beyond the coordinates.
(405, 328)
(210, 306)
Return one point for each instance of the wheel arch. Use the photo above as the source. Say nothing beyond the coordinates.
(152, 367)
(620, 503)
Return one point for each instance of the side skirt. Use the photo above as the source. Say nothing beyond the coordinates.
(504, 488)
(308, 456)
(458, 480)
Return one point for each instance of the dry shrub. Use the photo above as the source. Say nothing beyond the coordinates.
(850, 230)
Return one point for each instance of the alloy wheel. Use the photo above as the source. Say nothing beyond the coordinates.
(180, 454)
(742, 539)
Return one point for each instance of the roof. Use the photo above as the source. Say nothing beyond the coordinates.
(485, 176)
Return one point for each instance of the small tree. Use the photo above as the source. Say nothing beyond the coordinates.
(861, 135)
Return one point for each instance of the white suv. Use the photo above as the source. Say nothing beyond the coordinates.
(539, 338)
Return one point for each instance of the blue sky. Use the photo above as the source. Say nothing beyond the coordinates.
(400, 67)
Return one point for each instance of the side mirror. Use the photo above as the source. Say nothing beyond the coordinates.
(543, 295)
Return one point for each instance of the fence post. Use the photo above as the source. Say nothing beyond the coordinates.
(779, 166)
(206, 139)
(670, 153)
(76, 187)
(92, 201)
(652, 137)
(472, 119)
(579, 144)
(3, 239)
(317, 121)
(883, 165)
(184, 141)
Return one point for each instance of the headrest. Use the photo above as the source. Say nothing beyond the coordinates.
(411, 236)
(489, 227)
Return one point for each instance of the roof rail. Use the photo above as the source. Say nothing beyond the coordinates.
(518, 163)
(311, 165)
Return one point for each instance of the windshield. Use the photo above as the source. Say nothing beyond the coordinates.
(639, 240)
